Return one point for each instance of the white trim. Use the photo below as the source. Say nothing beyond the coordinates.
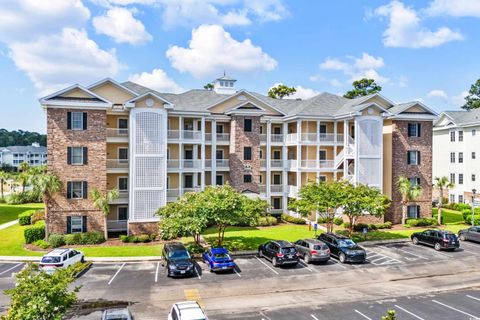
(118, 182)
(76, 105)
(118, 212)
(99, 83)
(71, 160)
(132, 101)
(238, 93)
(70, 88)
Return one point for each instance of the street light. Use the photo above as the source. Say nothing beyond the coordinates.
(473, 206)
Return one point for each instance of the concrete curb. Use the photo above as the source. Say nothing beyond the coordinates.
(8, 224)
(380, 242)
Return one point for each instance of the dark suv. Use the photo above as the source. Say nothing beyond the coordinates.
(279, 252)
(343, 248)
(439, 239)
(178, 260)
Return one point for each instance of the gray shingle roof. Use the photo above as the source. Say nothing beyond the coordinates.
(25, 149)
(464, 117)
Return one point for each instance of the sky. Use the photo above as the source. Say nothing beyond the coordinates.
(424, 50)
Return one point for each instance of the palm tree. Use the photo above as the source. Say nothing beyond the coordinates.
(47, 184)
(442, 183)
(410, 192)
(102, 202)
(23, 166)
(3, 178)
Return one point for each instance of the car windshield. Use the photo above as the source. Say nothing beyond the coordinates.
(345, 243)
(222, 256)
(320, 247)
(50, 259)
(178, 255)
(117, 317)
(449, 236)
(288, 250)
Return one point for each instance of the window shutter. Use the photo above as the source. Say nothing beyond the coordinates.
(418, 211)
(85, 155)
(84, 121)
(418, 158)
(84, 223)
(85, 189)
(419, 129)
(69, 120)
(69, 155)
(408, 157)
(409, 129)
(69, 190)
(69, 224)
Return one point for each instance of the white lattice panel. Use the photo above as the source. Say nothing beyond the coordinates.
(369, 172)
(149, 172)
(145, 203)
(149, 137)
(369, 137)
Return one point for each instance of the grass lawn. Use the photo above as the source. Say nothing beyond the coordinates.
(12, 242)
(9, 212)
(449, 216)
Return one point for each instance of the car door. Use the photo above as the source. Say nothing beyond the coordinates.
(302, 247)
(272, 250)
(474, 234)
(424, 237)
(267, 250)
(328, 242)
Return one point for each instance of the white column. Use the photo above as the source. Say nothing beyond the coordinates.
(202, 154)
(299, 153)
(214, 152)
(180, 128)
(335, 150)
(285, 168)
(268, 181)
(345, 147)
(180, 183)
(318, 131)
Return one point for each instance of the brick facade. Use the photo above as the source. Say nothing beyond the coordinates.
(59, 138)
(238, 166)
(137, 228)
(401, 143)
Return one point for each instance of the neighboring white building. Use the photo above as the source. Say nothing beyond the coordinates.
(34, 155)
(456, 152)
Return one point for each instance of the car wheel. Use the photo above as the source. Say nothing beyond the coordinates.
(260, 254)
(438, 246)
(82, 260)
(275, 262)
(462, 237)
(307, 259)
(342, 257)
(415, 240)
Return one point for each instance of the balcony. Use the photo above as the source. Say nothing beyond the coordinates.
(274, 138)
(312, 164)
(292, 191)
(223, 137)
(276, 211)
(117, 132)
(191, 164)
(274, 188)
(312, 137)
(122, 197)
(274, 164)
(117, 225)
(172, 194)
(117, 165)
(184, 135)
(223, 164)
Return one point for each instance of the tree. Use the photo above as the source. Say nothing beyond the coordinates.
(442, 183)
(23, 167)
(41, 296)
(362, 87)
(322, 197)
(102, 202)
(4, 176)
(390, 315)
(280, 91)
(21, 138)
(410, 192)
(47, 184)
(472, 100)
(208, 86)
(363, 200)
(22, 179)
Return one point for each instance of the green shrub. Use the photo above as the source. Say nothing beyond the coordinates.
(288, 218)
(194, 248)
(35, 232)
(25, 218)
(92, 238)
(422, 222)
(73, 239)
(265, 221)
(42, 244)
(144, 238)
(322, 220)
(372, 226)
(346, 225)
(461, 206)
(37, 216)
(385, 225)
(359, 226)
(124, 238)
(476, 220)
(153, 236)
(24, 197)
(56, 240)
(134, 239)
(337, 221)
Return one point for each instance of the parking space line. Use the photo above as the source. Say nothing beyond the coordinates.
(362, 314)
(305, 265)
(274, 271)
(15, 266)
(410, 253)
(377, 257)
(156, 271)
(338, 263)
(472, 297)
(410, 313)
(314, 318)
(237, 273)
(455, 309)
(118, 271)
(196, 272)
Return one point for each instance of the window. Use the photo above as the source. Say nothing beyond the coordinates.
(122, 183)
(452, 157)
(474, 132)
(123, 126)
(473, 178)
(452, 177)
(415, 181)
(76, 224)
(322, 154)
(219, 180)
(219, 128)
(77, 190)
(460, 198)
(474, 156)
(188, 154)
(460, 157)
(452, 198)
(122, 213)
(452, 136)
(123, 155)
(260, 179)
(247, 153)
(460, 136)
(460, 178)
(247, 125)
(247, 178)
(413, 211)
(277, 203)
(322, 178)
(277, 130)
(219, 154)
(77, 120)
(77, 155)
(414, 129)
(277, 178)
(413, 157)
(188, 181)
(277, 155)
(261, 154)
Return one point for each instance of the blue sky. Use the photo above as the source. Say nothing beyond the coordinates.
(417, 50)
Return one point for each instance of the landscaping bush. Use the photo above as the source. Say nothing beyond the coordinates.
(288, 218)
(92, 238)
(346, 224)
(136, 239)
(265, 221)
(194, 248)
(422, 222)
(42, 244)
(37, 216)
(35, 232)
(124, 238)
(144, 238)
(385, 225)
(56, 240)
(461, 206)
(337, 221)
(322, 220)
(73, 239)
(25, 197)
(476, 220)
(359, 227)
(25, 218)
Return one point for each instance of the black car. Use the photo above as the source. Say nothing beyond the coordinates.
(439, 239)
(471, 234)
(178, 260)
(343, 248)
(279, 252)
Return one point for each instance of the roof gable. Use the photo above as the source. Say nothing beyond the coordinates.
(75, 95)
(241, 98)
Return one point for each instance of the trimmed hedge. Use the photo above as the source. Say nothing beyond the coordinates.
(288, 218)
(73, 239)
(337, 221)
(42, 244)
(137, 239)
(265, 221)
(37, 216)
(25, 218)
(56, 240)
(422, 222)
(35, 232)
(85, 238)
(372, 226)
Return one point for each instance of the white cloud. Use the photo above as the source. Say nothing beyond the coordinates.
(438, 94)
(405, 28)
(459, 100)
(212, 50)
(267, 10)
(335, 83)
(25, 20)
(363, 67)
(56, 61)
(120, 24)
(157, 80)
(456, 8)
(303, 93)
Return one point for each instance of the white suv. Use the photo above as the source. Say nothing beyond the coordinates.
(60, 258)
(188, 310)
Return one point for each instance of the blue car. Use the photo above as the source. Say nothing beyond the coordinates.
(218, 259)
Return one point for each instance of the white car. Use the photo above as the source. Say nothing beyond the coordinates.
(187, 310)
(60, 258)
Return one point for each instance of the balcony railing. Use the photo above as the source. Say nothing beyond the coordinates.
(117, 225)
(223, 163)
(313, 137)
(223, 137)
(195, 189)
(273, 137)
(173, 164)
(192, 164)
(312, 164)
(117, 132)
(117, 163)
(276, 163)
(173, 193)
(184, 135)
(276, 211)
(276, 188)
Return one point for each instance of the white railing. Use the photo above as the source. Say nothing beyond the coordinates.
(276, 211)
(223, 137)
(192, 164)
(184, 135)
(276, 137)
(173, 134)
(208, 137)
(123, 194)
(276, 163)
(292, 137)
(222, 163)
(292, 191)
(196, 189)
(117, 225)
(173, 164)
(208, 163)
(311, 164)
(276, 188)
(117, 163)
(309, 137)
(117, 132)
(263, 163)
(173, 193)
(262, 188)
(263, 137)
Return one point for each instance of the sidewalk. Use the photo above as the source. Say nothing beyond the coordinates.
(93, 259)
(8, 224)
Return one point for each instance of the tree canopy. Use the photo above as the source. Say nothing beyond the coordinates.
(208, 86)
(21, 138)
(363, 87)
(410, 192)
(472, 100)
(280, 91)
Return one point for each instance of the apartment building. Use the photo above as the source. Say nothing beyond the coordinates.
(456, 151)
(34, 155)
(154, 147)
